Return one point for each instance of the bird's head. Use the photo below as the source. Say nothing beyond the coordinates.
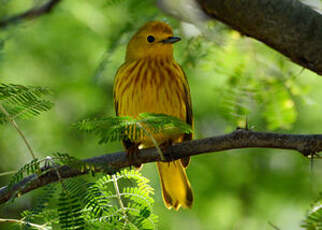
(154, 39)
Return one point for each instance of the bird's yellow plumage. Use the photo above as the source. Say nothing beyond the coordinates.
(151, 81)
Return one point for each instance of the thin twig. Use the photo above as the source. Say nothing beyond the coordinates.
(119, 199)
(30, 14)
(41, 227)
(273, 226)
(15, 125)
(154, 141)
(55, 167)
(8, 173)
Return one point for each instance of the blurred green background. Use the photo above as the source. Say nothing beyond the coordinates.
(76, 49)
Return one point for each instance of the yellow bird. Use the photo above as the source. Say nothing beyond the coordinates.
(151, 81)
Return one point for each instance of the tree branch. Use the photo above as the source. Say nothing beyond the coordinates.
(288, 26)
(30, 14)
(241, 138)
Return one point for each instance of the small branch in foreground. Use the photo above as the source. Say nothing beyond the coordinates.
(22, 222)
(119, 199)
(273, 226)
(30, 14)
(15, 125)
(241, 138)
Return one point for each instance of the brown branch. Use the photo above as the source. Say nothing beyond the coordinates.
(30, 14)
(305, 144)
(288, 26)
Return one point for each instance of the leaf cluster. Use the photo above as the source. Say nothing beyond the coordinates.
(38, 167)
(313, 219)
(120, 201)
(114, 128)
(23, 101)
(32, 167)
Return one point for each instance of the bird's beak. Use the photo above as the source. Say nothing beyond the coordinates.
(170, 40)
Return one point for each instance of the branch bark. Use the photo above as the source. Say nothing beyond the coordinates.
(288, 26)
(30, 14)
(241, 138)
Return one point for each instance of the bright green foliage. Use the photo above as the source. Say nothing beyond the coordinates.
(23, 102)
(313, 220)
(33, 167)
(83, 205)
(66, 159)
(121, 201)
(69, 211)
(114, 128)
(103, 202)
(40, 212)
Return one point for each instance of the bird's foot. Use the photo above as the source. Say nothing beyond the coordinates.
(132, 155)
(163, 147)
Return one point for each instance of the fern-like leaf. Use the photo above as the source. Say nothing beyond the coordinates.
(114, 128)
(121, 201)
(23, 102)
(33, 167)
(66, 159)
(313, 220)
(136, 210)
(70, 211)
(40, 212)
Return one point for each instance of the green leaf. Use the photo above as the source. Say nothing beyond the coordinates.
(114, 128)
(103, 206)
(23, 102)
(313, 219)
(70, 211)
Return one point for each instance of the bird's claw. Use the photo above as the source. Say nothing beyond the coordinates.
(164, 146)
(132, 155)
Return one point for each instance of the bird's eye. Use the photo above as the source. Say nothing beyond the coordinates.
(150, 38)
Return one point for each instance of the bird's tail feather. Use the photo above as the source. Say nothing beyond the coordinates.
(176, 189)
